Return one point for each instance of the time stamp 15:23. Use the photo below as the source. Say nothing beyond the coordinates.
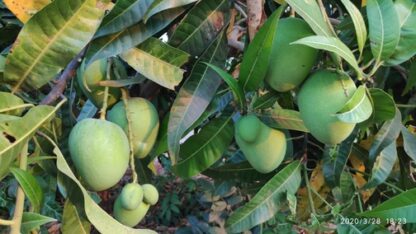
(396, 221)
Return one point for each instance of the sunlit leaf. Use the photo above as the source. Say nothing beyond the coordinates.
(73, 221)
(357, 109)
(30, 186)
(283, 118)
(25, 9)
(31, 221)
(161, 5)
(359, 24)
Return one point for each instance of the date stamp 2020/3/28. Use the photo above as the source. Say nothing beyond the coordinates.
(362, 220)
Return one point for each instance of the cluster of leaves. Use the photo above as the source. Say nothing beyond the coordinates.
(175, 53)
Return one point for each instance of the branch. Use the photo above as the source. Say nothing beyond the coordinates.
(63, 79)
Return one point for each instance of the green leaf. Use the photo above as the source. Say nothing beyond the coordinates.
(235, 87)
(130, 37)
(409, 143)
(240, 172)
(200, 26)
(256, 58)
(195, 94)
(311, 13)
(161, 5)
(2, 64)
(125, 13)
(202, 150)
(47, 43)
(402, 206)
(283, 118)
(10, 104)
(73, 221)
(406, 49)
(16, 133)
(382, 166)
(30, 186)
(266, 202)
(384, 27)
(359, 24)
(266, 101)
(384, 107)
(387, 134)
(411, 79)
(31, 221)
(358, 108)
(334, 45)
(102, 221)
(158, 62)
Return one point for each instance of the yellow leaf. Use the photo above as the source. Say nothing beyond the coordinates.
(358, 178)
(363, 3)
(24, 9)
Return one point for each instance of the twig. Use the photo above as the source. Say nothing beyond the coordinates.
(103, 110)
(63, 79)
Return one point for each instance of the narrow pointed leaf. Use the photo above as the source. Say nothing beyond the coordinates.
(158, 62)
(73, 222)
(357, 109)
(31, 221)
(284, 118)
(266, 101)
(130, 37)
(409, 143)
(359, 24)
(200, 26)
(256, 58)
(47, 43)
(332, 44)
(25, 9)
(161, 5)
(202, 150)
(384, 28)
(30, 187)
(266, 202)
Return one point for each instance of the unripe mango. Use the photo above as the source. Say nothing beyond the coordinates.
(263, 146)
(144, 120)
(319, 99)
(88, 79)
(150, 194)
(129, 217)
(100, 152)
(290, 64)
(131, 196)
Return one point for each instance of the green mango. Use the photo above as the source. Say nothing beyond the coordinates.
(100, 152)
(150, 194)
(88, 79)
(131, 196)
(144, 120)
(290, 64)
(264, 147)
(319, 99)
(129, 217)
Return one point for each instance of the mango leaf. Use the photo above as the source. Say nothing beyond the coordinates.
(411, 79)
(16, 133)
(202, 150)
(235, 87)
(161, 5)
(73, 221)
(384, 28)
(256, 58)
(10, 104)
(31, 221)
(332, 44)
(283, 118)
(335, 158)
(266, 101)
(25, 9)
(357, 109)
(240, 171)
(409, 143)
(117, 43)
(382, 166)
(406, 49)
(311, 13)
(359, 24)
(402, 206)
(384, 107)
(52, 49)
(158, 62)
(200, 26)
(195, 94)
(2, 64)
(30, 186)
(351, 228)
(266, 202)
(125, 13)
(387, 134)
(102, 221)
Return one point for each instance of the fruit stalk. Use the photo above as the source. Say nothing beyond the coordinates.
(105, 104)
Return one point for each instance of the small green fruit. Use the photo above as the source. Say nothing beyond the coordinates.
(129, 217)
(144, 120)
(150, 194)
(131, 196)
(100, 152)
(322, 95)
(88, 79)
(263, 146)
(290, 64)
